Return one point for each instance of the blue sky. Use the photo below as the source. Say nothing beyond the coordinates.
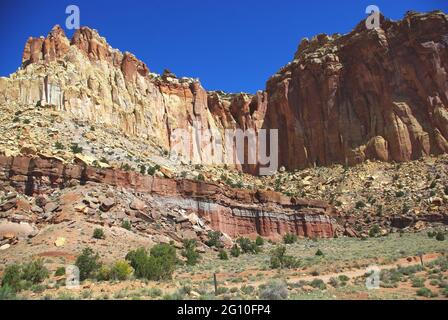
(231, 45)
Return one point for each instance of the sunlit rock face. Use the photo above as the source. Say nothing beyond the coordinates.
(370, 94)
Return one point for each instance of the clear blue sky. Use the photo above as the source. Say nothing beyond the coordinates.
(231, 45)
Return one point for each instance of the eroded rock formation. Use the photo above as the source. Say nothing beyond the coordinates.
(370, 94)
(233, 211)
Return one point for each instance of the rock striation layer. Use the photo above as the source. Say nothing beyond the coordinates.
(235, 212)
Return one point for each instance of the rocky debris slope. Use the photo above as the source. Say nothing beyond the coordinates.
(183, 208)
(370, 94)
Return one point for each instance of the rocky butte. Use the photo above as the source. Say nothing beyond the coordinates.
(369, 94)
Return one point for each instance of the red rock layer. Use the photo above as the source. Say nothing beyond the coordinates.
(233, 211)
(371, 94)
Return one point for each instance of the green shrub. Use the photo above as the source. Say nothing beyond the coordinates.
(190, 252)
(214, 239)
(280, 260)
(58, 145)
(248, 246)
(35, 271)
(12, 277)
(440, 236)
(289, 238)
(274, 290)
(431, 234)
(103, 273)
(18, 277)
(98, 233)
(319, 252)
(318, 283)
(343, 278)
(223, 255)
(7, 293)
(121, 270)
(235, 251)
(259, 241)
(88, 263)
(59, 271)
(247, 289)
(126, 224)
(418, 282)
(374, 231)
(399, 194)
(425, 292)
(158, 265)
(153, 169)
(75, 148)
(360, 205)
(200, 177)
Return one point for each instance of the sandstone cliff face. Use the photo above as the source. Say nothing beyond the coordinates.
(90, 80)
(371, 94)
(235, 212)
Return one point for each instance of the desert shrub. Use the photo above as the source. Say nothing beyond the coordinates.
(190, 252)
(289, 238)
(158, 265)
(126, 224)
(319, 252)
(431, 234)
(35, 271)
(18, 277)
(280, 260)
(259, 241)
(409, 270)
(75, 148)
(153, 169)
(98, 233)
(214, 239)
(247, 289)
(12, 277)
(374, 231)
(343, 278)
(445, 190)
(59, 271)
(235, 251)
(418, 282)
(318, 283)
(399, 194)
(274, 290)
(200, 177)
(425, 292)
(7, 293)
(360, 204)
(88, 263)
(440, 236)
(103, 273)
(142, 169)
(120, 270)
(248, 246)
(58, 145)
(223, 255)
